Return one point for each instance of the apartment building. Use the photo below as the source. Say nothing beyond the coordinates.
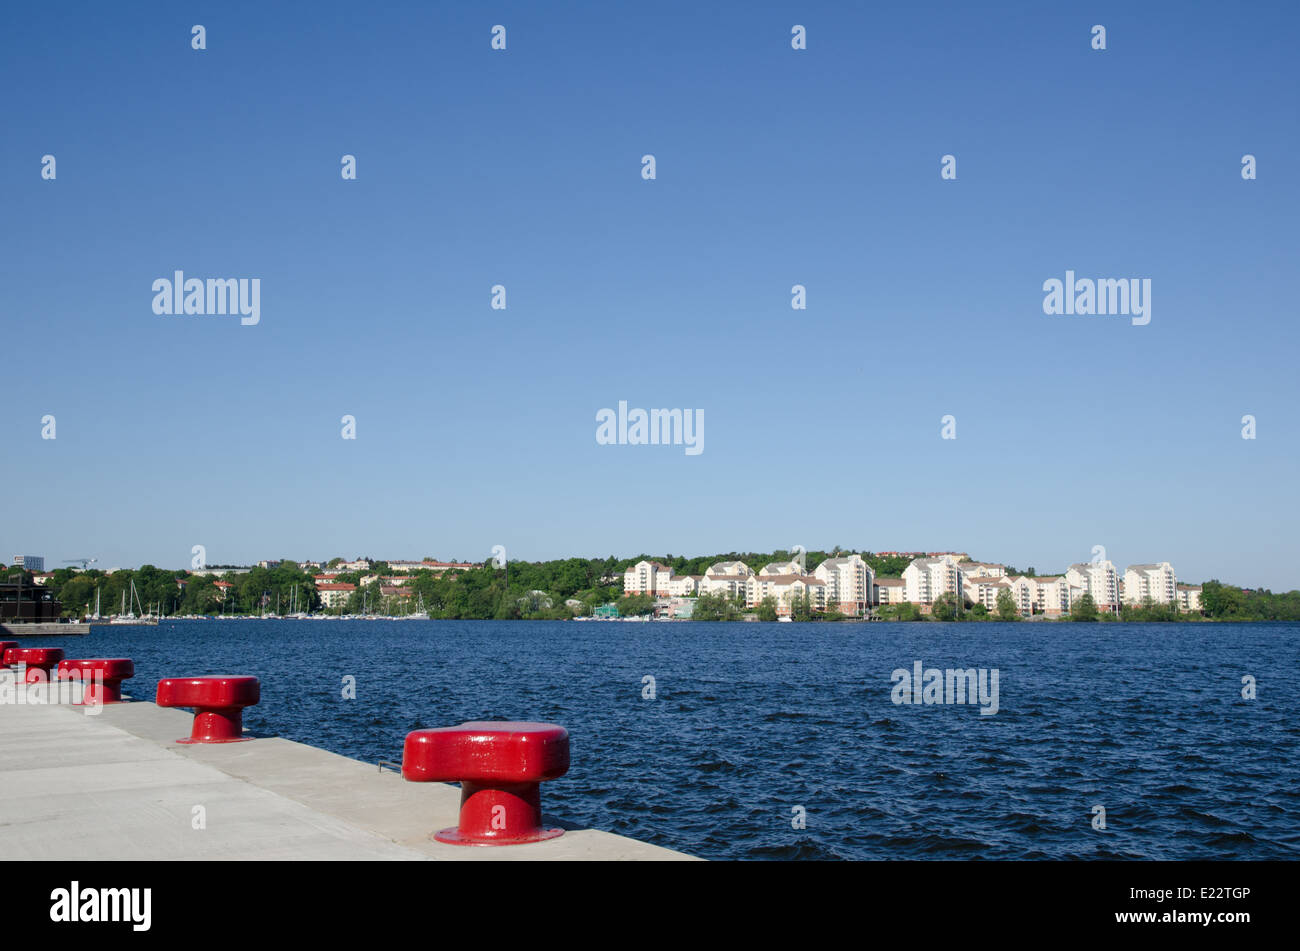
(1097, 578)
(726, 577)
(850, 584)
(925, 579)
(335, 595)
(888, 591)
(1189, 597)
(786, 590)
(684, 586)
(1046, 594)
(648, 577)
(1156, 582)
(436, 567)
(985, 590)
(971, 570)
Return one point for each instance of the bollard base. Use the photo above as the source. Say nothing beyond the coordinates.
(454, 836)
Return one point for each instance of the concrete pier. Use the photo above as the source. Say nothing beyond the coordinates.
(15, 630)
(116, 785)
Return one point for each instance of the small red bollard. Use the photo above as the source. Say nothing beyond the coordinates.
(499, 766)
(101, 677)
(218, 704)
(42, 659)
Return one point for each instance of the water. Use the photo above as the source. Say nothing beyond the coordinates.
(751, 720)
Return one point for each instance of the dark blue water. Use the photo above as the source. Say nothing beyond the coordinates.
(751, 720)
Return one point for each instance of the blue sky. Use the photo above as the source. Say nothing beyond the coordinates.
(476, 427)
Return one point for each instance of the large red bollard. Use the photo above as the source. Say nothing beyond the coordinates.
(499, 766)
(101, 677)
(218, 704)
(40, 662)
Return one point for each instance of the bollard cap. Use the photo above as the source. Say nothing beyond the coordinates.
(208, 692)
(487, 752)
(109, 668)
(34, 656)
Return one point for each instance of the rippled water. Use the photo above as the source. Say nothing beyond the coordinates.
(751, 720)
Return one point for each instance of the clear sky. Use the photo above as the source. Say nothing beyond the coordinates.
(476, 427)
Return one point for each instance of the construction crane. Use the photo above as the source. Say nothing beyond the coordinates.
(84, 562)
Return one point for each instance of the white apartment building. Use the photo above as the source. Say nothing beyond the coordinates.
(683, 586)
(647, 577)
(971, 570)
(334, 595)
(888, 591)
(1156, 582)
(1047, 594)
(850, 584)
(1189, 597)
(985, 590)
(1097, 578)
(786, 590)
(1053, 595)
(726, 577)
(925, 579)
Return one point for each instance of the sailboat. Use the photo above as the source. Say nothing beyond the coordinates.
(129, 616)
(421, 613)
(122, 617)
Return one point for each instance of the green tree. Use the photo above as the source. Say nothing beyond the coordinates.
(1007, 610)
(1085, 609)
(767, 609)
(944, 607)
(715, 607)
(636, 605)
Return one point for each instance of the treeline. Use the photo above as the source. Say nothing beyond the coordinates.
(175, 591)
(1227, 603)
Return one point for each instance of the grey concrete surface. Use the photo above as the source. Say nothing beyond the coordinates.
(116, 785)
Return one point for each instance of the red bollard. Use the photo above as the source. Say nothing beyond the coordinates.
(218, 704)
(101, 677)
(499, 766)
(42, 659)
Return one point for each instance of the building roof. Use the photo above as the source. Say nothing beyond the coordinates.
(728, 569)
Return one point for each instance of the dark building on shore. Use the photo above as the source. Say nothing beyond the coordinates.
(27, 602)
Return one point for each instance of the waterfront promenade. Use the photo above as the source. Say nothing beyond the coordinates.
(116, 786)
